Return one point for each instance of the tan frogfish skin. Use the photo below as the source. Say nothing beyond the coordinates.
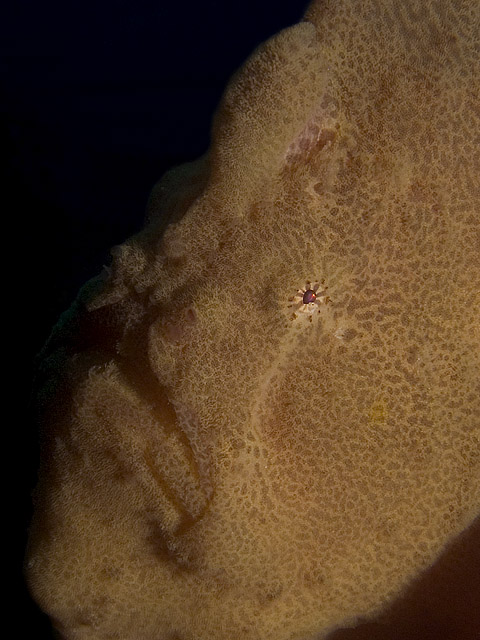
(263, 420)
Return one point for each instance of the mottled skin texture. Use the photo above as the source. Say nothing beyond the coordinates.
(219, 465)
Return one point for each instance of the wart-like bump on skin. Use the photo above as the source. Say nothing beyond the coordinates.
(262, 422)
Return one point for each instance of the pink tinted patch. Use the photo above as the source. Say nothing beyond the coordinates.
(177, 327)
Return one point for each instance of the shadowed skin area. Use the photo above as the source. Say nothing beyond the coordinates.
(441, 604)
(226, 455)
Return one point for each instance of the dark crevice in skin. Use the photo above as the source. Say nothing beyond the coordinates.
(169, 492)
(137, 374)
(83, 339)
(132, 359)
(166, 548)
(166, 418)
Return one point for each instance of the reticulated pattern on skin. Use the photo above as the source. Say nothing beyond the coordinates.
(215, 468)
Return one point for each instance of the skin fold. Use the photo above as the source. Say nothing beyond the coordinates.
(221, 461)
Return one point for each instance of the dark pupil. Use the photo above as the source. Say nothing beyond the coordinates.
(309, 296)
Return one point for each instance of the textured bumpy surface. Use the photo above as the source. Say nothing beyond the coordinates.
(221, 462)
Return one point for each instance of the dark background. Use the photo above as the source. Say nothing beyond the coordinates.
(98, 99)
